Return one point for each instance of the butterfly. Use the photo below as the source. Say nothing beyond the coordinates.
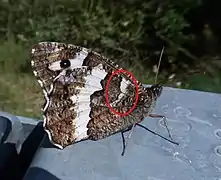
(74, 82)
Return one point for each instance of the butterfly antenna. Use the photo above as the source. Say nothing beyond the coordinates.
(158, 66)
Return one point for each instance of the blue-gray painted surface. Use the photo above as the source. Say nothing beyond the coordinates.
(194, 119)
(11, 130)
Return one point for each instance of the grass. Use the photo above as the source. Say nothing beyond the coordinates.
(20, 93)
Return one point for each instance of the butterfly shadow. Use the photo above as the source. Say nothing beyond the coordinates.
(39, 173)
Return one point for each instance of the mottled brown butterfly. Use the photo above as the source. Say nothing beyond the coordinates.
(74, 81)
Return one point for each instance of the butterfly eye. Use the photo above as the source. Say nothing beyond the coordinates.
(65, 64)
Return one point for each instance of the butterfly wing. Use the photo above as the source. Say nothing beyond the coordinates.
(75, 102)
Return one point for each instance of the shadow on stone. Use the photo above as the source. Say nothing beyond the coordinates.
(30, 147)
(38, 173)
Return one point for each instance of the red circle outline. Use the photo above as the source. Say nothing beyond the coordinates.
(107, 87)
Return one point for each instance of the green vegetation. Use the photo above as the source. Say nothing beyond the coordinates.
(127, 31)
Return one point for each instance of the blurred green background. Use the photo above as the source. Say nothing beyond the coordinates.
(131, 32)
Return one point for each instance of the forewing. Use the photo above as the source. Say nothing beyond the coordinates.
(47, 56)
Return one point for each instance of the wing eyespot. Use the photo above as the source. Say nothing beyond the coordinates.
(65, 64)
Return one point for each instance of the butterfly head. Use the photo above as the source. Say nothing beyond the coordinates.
(156, 90)
(149, 97)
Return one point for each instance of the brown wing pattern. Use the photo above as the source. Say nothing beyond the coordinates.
(44, 54)
(75, 107)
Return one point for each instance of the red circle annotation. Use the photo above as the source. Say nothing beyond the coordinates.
(107, 96)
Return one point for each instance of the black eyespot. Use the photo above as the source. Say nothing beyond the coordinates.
(65, 63)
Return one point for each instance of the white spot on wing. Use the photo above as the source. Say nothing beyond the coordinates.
(124, 84)
(47, 101)
(32, 51)
(82, 100)
(79, 59)
(76, 62)
(35, 73)
(32, 63)
(123, 88)
(40, 82)
(51, 88)
(55, 66)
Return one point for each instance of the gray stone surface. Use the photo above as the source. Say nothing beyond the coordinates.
(194, 119)
(11, 130)
(15, 129)
(19, 139)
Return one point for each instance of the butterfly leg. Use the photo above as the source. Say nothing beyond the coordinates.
(146, 128)
(164, 122)
(125, 142)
